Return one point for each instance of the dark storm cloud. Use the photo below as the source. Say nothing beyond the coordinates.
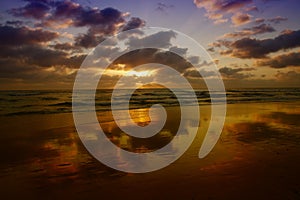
(171, 59)
(88, 40)
(194, 60)
(95, 35)
(10, 35)
(255, 48)
(11, 71)
(14, 23)
(105, 21)
(62, 10)
(149, 55)
(100, 23)
(62, 14)
(281, 61)
(161, 39)
(192, 74)
(178, 50)
(91, 17)
(66, 9)
(235, 73)
(42, 57)
(33, 9)
(133, 23)
(67, 46)
(36, 54)
(195, 74)
(43, 1)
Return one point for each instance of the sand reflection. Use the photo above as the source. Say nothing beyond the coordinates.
(258, 151)
(263, 123)
(141, 118)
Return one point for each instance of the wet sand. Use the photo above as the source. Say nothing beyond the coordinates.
(257, 157)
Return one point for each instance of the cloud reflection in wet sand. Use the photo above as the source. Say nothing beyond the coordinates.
(258, 151)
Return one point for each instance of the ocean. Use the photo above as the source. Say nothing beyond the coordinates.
(42, 156)
(23, 102)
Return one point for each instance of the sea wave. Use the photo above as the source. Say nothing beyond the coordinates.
(50, 102)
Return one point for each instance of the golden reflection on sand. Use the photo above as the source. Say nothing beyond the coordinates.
(63, 162)
(258, 151)
(262, 121)
(141, 116)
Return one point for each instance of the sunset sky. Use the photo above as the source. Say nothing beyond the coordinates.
(254, 43)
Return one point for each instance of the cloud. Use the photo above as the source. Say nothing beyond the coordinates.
(194, 60)
(106, 21)
(239, 19)
(69, 9)
(33, 9)
(259, 20)
(62, 14)
(18, 36)
(290, 76)
(221, 5)
(255, 48)
(221, 11)
(66, 46)
(255, 30)
(216, 9)
(216, 17)
(17, 73)
(148, 55)
(12, 68)
(100, 23)
(133, 23)
(178, 50)
(144, 56)
(277, 19)
(251, 8)
(60, 11)
(92, 17)
(14, 23)
(161, 39)
(235, 73)
(88, 40)
(195, 74)
(192, 74)
(285, 60)
(40, 56)
(32, 52)
(162, 7)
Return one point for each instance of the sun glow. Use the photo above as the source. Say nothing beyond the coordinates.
(139, 73)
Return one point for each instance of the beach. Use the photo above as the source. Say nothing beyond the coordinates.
(257, 156)
(149, 100)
